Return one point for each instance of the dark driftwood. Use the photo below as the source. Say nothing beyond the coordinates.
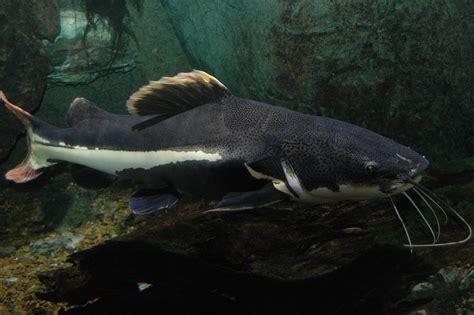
(315, 259)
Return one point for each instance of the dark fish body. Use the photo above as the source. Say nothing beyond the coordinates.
(189, 135)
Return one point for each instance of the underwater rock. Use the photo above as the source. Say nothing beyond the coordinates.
(11, 281)
(401, 68)
(143, 286)
(449, 291)
(66, 241)
(157, 53)
(422, 290)
(53, 202)
(450, 275)
(7, 251)
(21, 215)
(83, 52)
(468, 281)
(24, 65)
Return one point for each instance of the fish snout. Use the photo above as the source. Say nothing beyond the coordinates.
(424, 164)
(418, 166)
(413, 166)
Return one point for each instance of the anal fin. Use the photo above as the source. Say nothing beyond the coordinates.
(236, 201)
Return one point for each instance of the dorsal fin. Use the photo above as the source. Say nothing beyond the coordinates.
(172, 95)
(81, 109)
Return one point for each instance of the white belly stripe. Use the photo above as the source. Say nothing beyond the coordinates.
(113, 161)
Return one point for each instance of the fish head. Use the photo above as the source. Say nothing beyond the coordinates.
(375, 166)
(388, 167)
(353, 163)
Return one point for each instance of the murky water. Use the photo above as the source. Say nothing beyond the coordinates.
(72, 240)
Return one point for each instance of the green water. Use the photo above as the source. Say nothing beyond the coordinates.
(403, 69)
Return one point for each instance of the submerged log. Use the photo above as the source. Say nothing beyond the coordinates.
(322, 259)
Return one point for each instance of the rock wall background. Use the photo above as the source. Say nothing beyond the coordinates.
(24, 65)
(402, 68)
(158, 53)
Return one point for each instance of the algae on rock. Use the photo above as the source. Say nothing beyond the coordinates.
(159, 53)
(89, 46)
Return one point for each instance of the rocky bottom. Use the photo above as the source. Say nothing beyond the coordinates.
(20, 262)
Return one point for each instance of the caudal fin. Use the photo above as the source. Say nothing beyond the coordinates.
(31, 167)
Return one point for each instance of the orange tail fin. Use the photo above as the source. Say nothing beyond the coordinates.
(28, 169)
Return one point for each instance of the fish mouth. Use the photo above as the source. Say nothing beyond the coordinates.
(406, 181)
(417, 169)
(400, 185)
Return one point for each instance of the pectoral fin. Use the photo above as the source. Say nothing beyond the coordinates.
(237, 201)
(145, 202)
